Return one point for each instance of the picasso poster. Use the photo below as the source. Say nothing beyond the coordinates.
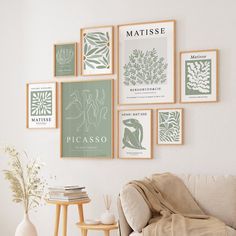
(199, 76)
(87, 119)
(41, 105)
(146, 63)
(135, 134)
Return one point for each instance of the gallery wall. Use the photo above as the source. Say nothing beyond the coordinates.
(29, 28)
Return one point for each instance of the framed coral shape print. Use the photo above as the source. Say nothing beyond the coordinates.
(97, 51)
(170, 126)
(87, 119)
(41, 105)
(199, 76)
(65, 59)
(135, 134)
(146, 63)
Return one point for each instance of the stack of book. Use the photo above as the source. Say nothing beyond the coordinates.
(67, 193)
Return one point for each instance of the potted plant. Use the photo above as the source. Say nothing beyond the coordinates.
(27, 185)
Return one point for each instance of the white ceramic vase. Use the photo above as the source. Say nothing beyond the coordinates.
(107, 218)
(26, 228)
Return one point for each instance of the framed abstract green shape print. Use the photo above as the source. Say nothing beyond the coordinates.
(87, 119)
(97, 51)
(199, 76)
(170, 126)
(41, 105)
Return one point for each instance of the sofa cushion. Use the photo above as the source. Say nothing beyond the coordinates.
(216, 195)
(136, 210)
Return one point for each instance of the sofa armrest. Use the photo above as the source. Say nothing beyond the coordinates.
(124, 227)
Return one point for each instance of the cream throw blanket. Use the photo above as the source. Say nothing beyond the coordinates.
(174, 211)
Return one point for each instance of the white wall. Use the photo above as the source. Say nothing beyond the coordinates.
(28, 30)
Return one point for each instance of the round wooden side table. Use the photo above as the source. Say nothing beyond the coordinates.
(100, 227)
(64, 206)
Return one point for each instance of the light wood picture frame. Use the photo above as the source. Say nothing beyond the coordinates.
(65, 57)
(97, 51)
(170, 126)
(146, 63)
(87, 120)
(199, 76)
(135, 134)
(41, 105)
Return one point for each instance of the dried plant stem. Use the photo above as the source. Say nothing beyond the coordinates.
(107, 201)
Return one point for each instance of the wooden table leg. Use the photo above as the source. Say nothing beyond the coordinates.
(81, 213)
(65, 220)
(58, 211)
(106, 232)
(84, 232)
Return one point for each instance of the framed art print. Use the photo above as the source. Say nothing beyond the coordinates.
(170, 126)
(135, 134)
(199, 76)
(97, 51)
(65, 59)
(41, 105)
(87, 119)
(146, 63)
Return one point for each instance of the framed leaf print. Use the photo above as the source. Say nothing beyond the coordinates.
(41, 105)
(87, 119)
(135, 134)
(97, 51)
(199, 76)
(65, 59)
(170, 126)
(146, 63)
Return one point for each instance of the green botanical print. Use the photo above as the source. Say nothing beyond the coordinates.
(65, 59)
(89, 108)
(169, 126)
(198, 77)
(96, 50)
(41, 103)
(145, 68)
(133, 134)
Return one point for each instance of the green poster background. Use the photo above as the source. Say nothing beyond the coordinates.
(65, 60)
(199, 76)
(87, 119)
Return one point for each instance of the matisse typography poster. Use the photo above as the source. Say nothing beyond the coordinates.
(41, 105)
(87, 119)
(146, 63)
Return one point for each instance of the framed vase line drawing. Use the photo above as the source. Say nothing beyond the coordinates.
(87, 119)
(135, 134)
(41, 105)
(146, 63)
(169, 124)
(199, 76)
(65, 60)
(97, 51)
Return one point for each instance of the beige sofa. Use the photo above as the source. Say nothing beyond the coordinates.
(216, 195)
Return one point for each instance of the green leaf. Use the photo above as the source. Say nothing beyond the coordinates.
(85, 48)
(101, 50)
(101, 67)
(91, 51)
(93, 61)
(89, 65)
